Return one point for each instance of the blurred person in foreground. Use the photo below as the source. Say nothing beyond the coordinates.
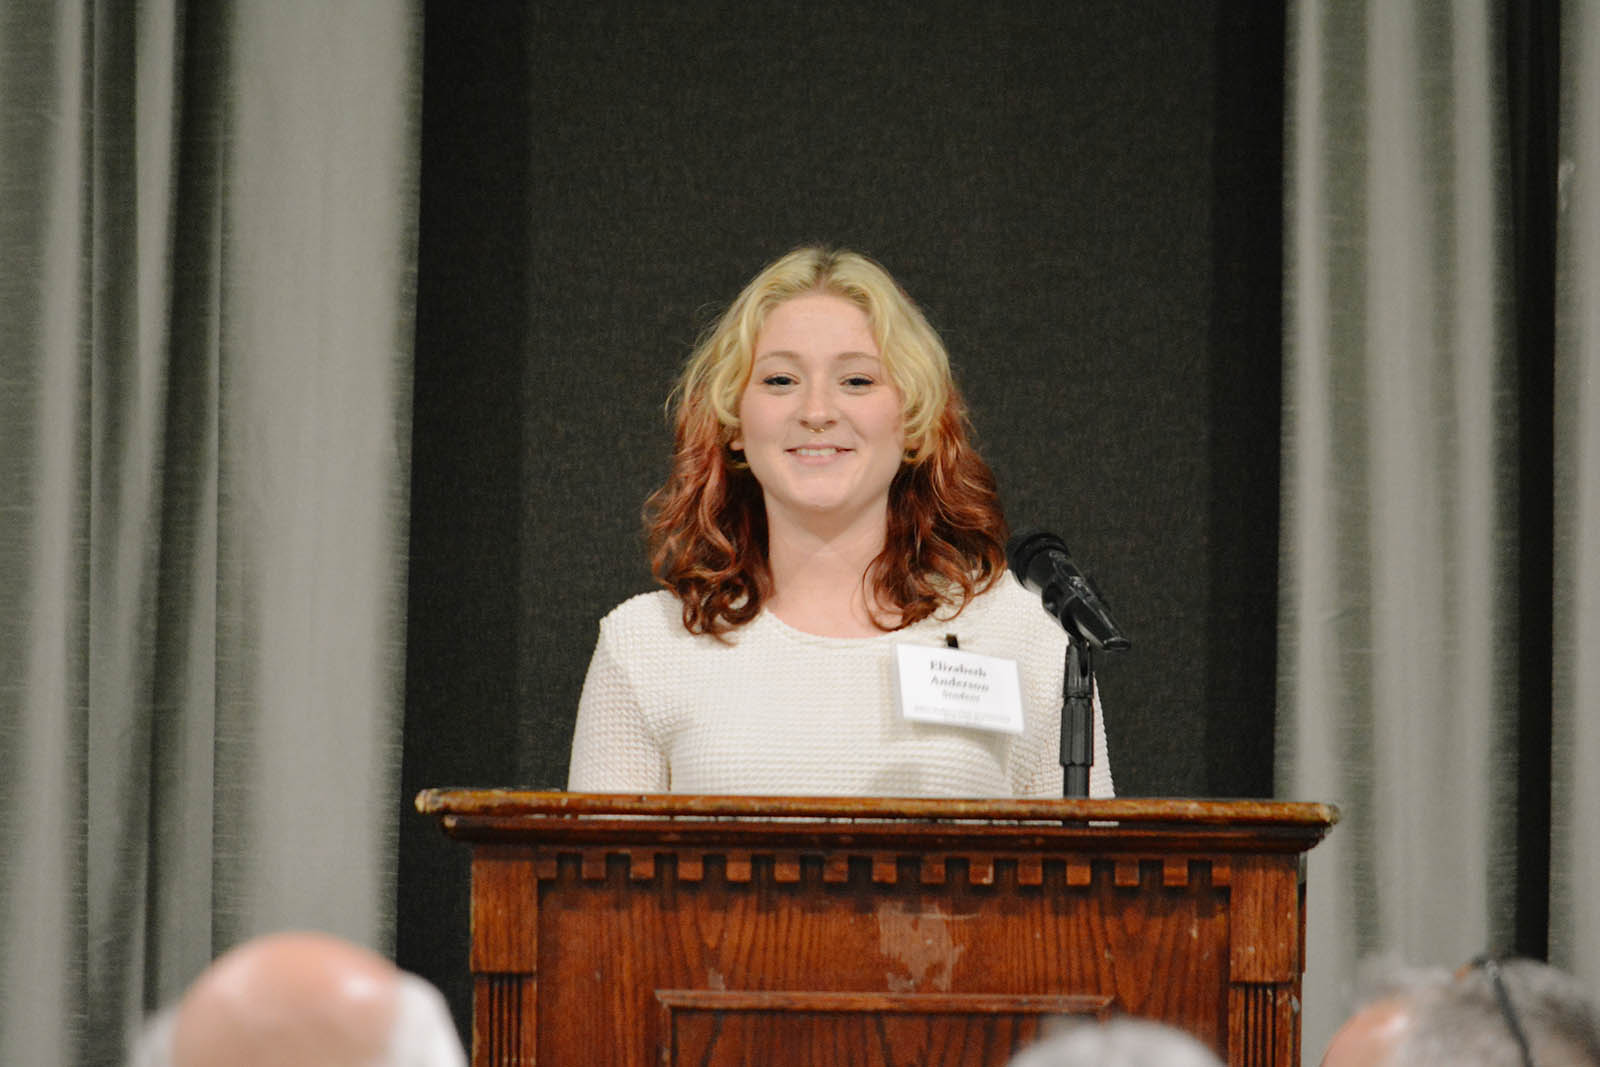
(307, 1000)
(1490, 1013)
(1121, 1042)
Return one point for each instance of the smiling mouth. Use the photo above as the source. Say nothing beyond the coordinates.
(818, 451)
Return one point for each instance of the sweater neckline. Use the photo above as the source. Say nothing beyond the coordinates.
(794, 633)
(917, 631)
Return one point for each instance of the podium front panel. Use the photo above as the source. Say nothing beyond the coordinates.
(790, 932)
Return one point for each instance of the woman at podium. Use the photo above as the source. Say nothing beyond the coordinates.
(836, 617)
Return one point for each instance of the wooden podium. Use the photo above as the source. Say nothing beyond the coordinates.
(704, 930)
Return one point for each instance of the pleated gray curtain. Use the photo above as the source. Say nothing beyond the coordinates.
(1400, 536)
(207, 262)
(1575, 801)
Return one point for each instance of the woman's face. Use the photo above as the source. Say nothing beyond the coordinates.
(820, 420)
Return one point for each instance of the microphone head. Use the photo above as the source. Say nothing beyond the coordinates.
(1041, 562)
(1027, 546)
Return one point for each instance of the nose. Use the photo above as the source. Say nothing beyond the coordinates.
(817, 412)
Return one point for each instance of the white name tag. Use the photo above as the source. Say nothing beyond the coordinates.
(956, 688)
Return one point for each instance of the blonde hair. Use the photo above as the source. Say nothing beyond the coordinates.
(913, 356)
(707, 526)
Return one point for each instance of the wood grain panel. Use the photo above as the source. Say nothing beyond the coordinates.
(504, 912)
(824, 1029)
(712, 934)
(1266, 909)
(1000, 937)
(503, 1020)
(1263, 1026)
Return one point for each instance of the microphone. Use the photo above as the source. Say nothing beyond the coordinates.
(1041, 562)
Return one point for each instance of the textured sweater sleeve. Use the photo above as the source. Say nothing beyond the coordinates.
(614, 748)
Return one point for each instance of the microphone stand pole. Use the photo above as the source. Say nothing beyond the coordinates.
(1077, 718)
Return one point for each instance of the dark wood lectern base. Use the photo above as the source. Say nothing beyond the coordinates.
(715, 930)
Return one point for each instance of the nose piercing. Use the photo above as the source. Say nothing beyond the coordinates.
(816, 429)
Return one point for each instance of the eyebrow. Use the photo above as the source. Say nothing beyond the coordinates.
(784, 353)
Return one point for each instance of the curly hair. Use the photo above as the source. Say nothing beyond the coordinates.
(707, 526)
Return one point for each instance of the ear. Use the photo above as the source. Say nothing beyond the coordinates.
(737, 444)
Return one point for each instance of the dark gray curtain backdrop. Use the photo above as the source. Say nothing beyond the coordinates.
(1439, 590)
(207, 261)
(1086, 198)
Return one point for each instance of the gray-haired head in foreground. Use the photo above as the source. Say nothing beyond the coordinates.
(1463, 1021)
(302, 1000)
(1483, 1015)
(1124, 1042)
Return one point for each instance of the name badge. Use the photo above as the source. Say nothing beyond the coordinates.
(956, 688)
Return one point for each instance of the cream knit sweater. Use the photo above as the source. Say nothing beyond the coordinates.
(781, 712)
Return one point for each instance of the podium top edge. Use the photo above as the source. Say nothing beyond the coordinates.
(504, 803)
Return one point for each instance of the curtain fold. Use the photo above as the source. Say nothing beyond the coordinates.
(1399, 487)
(208, 226)
(132, 122)
(1412, 390)
(1575, 805)
(44, 573)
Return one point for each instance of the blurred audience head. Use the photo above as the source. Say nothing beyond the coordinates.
(304, 999)
(1121, 1042)
(1507, 1013)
